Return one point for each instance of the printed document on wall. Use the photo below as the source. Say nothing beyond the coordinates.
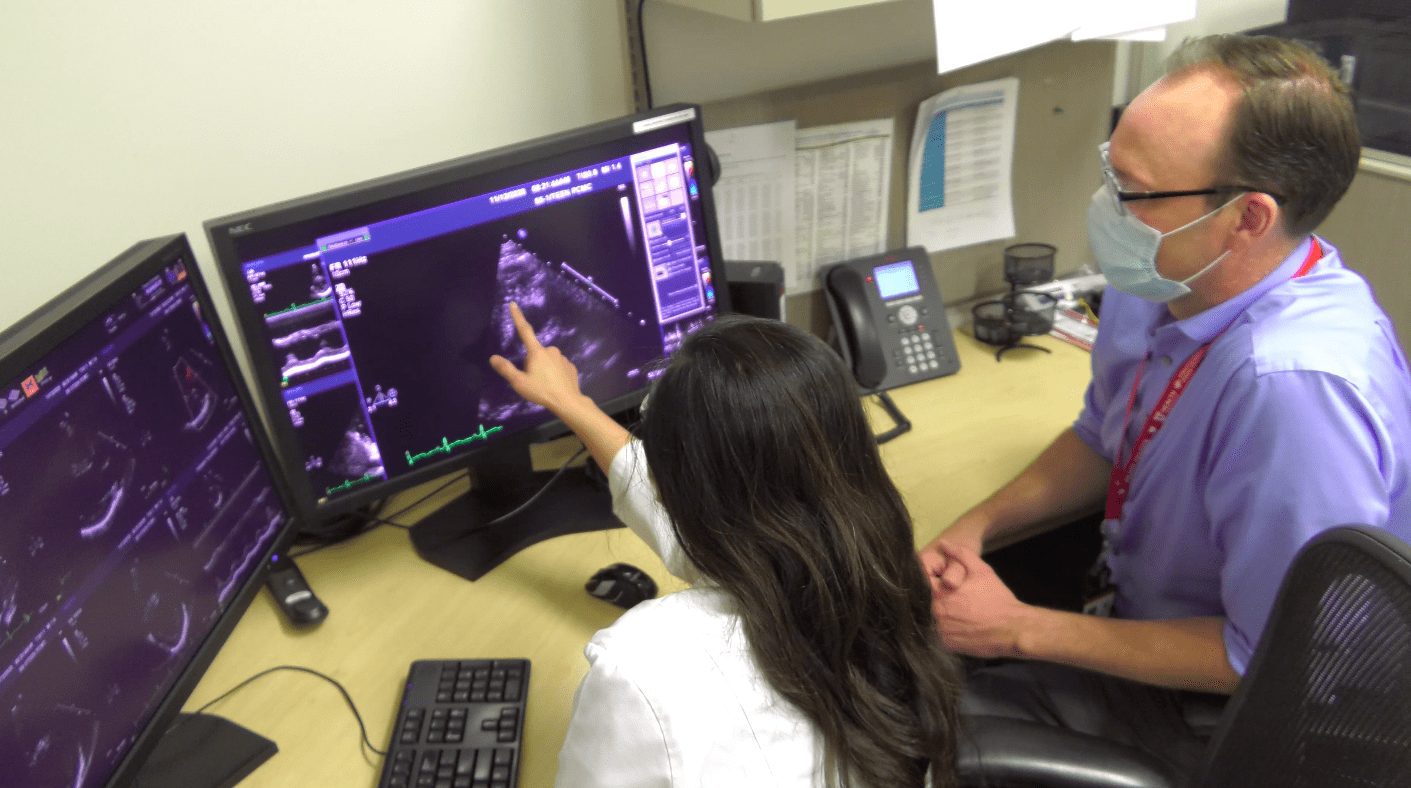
(843, 176)
(962, 154)
(754, 198)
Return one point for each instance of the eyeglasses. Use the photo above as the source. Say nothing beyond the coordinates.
(1121, 196)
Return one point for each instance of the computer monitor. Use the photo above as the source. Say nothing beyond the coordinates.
(137, 511)
(371, 313)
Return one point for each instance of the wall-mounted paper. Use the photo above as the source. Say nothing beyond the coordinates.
(754, 198)
(843, 176)
(962, 155)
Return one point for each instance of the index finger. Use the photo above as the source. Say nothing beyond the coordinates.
(526, 331)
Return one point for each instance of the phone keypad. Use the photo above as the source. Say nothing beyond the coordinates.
(918, 354)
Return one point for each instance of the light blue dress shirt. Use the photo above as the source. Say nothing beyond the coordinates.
(1299, 420)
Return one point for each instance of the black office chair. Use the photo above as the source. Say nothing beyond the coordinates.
(1326, 701)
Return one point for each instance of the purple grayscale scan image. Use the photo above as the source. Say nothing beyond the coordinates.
(134, 501)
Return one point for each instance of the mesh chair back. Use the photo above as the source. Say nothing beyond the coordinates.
(1326, 701)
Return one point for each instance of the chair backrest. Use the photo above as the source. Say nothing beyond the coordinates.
(1326, 701)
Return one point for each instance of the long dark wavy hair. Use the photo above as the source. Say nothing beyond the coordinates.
(769, 471)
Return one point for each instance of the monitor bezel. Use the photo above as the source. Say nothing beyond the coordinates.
(34, 336)
(224, 232)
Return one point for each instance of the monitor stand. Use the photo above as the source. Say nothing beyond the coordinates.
(457, 539)
(204, 751)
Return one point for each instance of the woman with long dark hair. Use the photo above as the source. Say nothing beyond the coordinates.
(805, 653)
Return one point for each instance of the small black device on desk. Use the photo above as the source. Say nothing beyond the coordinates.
(623, 585)
(890, 318)
(292, 592)
(756, 287)
(460, 724)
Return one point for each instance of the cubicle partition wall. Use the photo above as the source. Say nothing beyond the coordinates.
(1064, 111)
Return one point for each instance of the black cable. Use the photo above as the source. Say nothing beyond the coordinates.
(642, 44)
(536, 496)
(298, 668)
(903, 424)
(507, 515)
(378, 519)
(389, 521)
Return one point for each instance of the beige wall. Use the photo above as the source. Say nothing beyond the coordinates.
(125, 120)
(1063, 113)
(1372, 229)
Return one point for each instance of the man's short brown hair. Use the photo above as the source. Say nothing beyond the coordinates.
(1294, 132)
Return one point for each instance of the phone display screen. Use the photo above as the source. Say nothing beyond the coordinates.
(896, 279)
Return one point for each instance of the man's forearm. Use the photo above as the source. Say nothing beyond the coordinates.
(1066, 480)
(1186, 653)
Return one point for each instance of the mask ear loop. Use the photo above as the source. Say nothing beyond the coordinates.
(1202, 218)
(1198, 274)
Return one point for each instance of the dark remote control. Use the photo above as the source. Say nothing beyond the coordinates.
(292, 592)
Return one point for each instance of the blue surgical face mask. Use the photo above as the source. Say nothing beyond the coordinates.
(1125, 248)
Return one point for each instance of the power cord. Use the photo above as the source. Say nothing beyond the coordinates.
(536, 496)
(362, 728)
(642, 44)
(391, 519)
(530, 501)
(373, 520)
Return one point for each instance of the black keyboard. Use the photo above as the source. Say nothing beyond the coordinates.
(459, 726)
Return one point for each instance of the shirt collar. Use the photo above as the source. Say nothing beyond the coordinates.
(1205, 326)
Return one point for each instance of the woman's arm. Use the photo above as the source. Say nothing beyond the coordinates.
(551, 380)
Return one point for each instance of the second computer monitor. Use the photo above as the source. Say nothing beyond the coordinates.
(137, 510)
(371, 312)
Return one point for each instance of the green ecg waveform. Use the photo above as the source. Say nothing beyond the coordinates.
(351, 483)
(448, 445)
(297, 307)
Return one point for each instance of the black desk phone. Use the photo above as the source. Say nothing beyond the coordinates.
(890, 319)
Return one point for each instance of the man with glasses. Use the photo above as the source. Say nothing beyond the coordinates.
(1247, 393)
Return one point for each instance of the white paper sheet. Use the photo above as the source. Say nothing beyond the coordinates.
(1132, 21)
(843, 177)
(962, 154)
(968, 33)
(754, 198)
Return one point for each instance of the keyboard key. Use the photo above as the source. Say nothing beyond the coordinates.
(465, 766)
(434, 743)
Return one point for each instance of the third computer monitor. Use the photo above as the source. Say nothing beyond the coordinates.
(371, 312)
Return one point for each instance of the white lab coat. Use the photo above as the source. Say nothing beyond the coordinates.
(672, 696)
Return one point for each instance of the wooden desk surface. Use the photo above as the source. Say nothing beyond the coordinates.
(971, 433)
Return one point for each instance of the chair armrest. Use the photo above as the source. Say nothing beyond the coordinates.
(998, 752)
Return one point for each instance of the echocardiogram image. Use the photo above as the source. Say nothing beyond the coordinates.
(135, 501)
(433, 313)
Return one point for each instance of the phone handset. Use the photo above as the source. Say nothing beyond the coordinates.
(890, 319)
(857, 330)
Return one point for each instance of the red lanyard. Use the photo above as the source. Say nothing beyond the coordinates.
(1120, 481)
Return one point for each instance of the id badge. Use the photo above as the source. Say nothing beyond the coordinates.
(1099, 593)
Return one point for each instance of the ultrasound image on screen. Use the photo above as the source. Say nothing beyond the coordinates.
(135, 503)
(448, 297)
(381, 333)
